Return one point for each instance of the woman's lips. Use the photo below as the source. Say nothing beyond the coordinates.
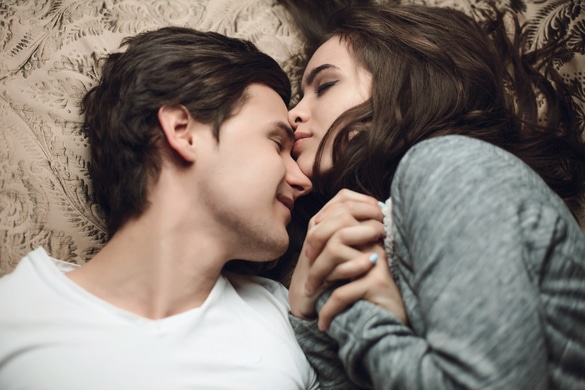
(301, 138)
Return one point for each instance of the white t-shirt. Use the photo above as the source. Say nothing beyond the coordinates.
(56, 335)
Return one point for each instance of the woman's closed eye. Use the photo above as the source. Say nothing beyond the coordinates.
(321, 88)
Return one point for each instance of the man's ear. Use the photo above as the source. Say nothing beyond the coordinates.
(177, 124)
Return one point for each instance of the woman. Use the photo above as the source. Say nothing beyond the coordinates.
(437, 113)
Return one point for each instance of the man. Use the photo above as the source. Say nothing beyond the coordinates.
(191, 165)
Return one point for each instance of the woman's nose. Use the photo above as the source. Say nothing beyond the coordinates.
(297, 115)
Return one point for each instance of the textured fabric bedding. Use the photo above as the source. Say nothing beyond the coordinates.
(49, 58)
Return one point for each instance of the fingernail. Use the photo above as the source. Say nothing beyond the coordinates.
(382, 204)
(308, 289)
(373, 258)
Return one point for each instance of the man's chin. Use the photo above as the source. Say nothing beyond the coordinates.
(278, 250)
(268, 251)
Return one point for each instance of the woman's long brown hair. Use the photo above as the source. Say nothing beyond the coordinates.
(437, 71)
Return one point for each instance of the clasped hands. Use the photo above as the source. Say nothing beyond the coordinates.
(344, 246)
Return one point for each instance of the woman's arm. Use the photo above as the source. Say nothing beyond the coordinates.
(471, 224)
(341, 248)
(338, 249)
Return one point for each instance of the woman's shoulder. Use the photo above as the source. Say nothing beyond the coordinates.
(457, 156)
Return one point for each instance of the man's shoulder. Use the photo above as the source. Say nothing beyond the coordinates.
(39, 259)
(24, 268)
(251, 284)
(31, 272)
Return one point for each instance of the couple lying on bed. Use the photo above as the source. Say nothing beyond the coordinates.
(434, 235)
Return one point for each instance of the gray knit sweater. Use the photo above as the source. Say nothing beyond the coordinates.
(491, 266)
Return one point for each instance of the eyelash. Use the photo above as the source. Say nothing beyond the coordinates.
(279, 144)
(323, 87)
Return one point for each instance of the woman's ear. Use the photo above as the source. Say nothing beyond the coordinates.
(178, 125)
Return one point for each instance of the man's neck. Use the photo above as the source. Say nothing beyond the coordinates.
(151, 270)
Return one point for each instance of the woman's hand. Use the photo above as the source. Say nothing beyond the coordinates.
(348, 220)
(376, 286)
(344, 243)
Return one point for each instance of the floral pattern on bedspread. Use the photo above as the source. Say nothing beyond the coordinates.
(49, 53)
(49, 58)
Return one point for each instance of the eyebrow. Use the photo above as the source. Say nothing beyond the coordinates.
(313, 73)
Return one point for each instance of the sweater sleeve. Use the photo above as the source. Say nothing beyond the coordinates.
(468, 218)
(322, 352)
